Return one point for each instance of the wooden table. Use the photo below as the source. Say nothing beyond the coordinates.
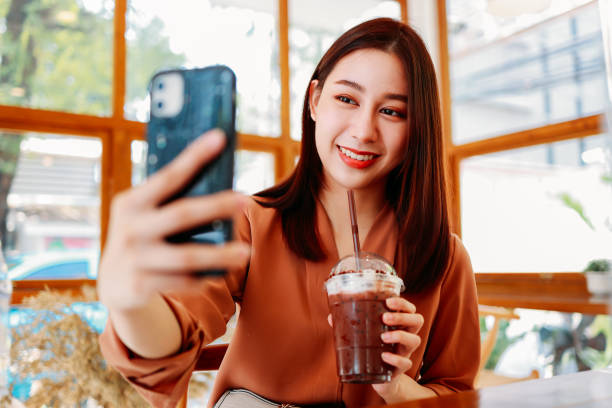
(589, 389)
(561, 292)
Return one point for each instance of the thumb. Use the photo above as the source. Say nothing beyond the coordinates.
(329, 320)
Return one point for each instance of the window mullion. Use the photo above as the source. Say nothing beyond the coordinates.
(404, 10)
(119, 59)
(283, 156)
(556, 132)
(452, 162)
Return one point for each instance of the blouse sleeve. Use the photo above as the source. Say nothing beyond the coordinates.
(452, 357)
(202, 318)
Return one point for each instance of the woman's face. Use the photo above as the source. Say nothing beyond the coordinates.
(361, 119)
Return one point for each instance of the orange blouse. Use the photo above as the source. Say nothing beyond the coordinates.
(282, 348)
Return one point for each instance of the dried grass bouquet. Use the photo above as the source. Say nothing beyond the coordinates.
(57, 351)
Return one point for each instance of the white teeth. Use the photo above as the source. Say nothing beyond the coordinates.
(362, 157)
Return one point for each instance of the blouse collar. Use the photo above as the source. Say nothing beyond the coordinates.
(381, 239)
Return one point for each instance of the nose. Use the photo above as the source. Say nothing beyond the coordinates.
(364, 127)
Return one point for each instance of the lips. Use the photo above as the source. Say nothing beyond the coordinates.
(355, 158)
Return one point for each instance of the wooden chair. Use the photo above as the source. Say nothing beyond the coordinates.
(488, 378)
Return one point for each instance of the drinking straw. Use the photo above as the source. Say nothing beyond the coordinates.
(354, 227)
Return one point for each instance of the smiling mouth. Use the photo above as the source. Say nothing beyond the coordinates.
(361, 156)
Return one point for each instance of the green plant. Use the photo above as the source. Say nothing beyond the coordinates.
(599, 265)
(578, 344)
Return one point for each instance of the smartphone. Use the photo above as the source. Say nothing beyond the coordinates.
(184, 104)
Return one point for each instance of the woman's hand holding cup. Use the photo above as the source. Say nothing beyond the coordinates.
(405, 324)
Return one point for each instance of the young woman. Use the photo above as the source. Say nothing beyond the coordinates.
(371, 123)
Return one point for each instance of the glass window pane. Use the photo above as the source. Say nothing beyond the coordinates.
(139, 164)
(552, 343)
(513, 73)
(312, 31)
(253, 171)
(546, 208)
(50, 205)
(238, 33)
(57, 55)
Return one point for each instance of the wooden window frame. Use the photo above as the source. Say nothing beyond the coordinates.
(117, 133)
(562, 291)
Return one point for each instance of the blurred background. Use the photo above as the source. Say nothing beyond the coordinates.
(524, 94)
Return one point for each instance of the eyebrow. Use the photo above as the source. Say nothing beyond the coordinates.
(360, 88)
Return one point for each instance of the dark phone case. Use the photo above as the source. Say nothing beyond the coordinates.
(209, 102)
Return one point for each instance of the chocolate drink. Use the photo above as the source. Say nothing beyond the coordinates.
(356, 293)
(358, 325)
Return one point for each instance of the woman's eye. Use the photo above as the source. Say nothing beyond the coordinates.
(346, 99)
(391, 112)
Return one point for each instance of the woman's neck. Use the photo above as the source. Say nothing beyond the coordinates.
(368, 204)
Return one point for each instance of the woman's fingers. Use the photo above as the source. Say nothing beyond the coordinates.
(409, 341)
(329, 320)
(400, 304)
(403, 315)
(173, 259)
(410, 321)
(402, 364)
(179, 172)
(186, 213)
(164, 283)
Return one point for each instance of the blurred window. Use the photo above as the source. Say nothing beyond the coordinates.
(312, 32)
(139, 161)
(513, 73)
(51, 187)
(57, 55)
(67, 270)
(253, 171)
(546, 208)
(551, 343)
(238, 33)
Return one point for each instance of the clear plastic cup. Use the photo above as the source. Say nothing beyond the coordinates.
(357, 302)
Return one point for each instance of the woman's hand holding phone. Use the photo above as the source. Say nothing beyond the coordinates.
(138, 262)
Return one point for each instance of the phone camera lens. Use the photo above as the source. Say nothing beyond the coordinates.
(160, 105)
(160, 85)
(161, 141)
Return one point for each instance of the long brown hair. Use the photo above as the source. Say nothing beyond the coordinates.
(415, 189)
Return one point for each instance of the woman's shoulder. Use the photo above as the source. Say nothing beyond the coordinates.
(254, 217)
(457, 249)
(459, 262)
(256, 210)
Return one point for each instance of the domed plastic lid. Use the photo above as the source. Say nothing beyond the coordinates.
(375, 273)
